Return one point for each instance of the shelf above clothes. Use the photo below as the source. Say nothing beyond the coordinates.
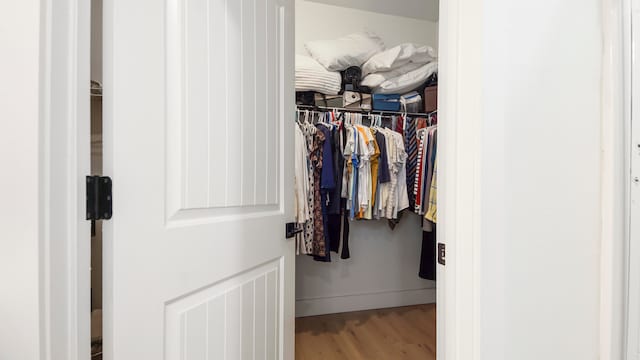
(364, 112)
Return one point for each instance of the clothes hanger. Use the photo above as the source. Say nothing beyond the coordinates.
(324, 121)
(307, 124)
(299, 116)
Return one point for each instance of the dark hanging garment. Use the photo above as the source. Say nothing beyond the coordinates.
(315, 158)
(336, 208)
(345, 233)
(327, 186)
(428, 255)
(338, 166)
(335, 225)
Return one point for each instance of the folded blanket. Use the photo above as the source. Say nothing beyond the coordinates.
(376, 79)
(311, 76)
(398, 56)
(406, 82)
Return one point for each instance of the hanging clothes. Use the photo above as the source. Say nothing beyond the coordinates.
(430, 156)
(348, 171)
(420, 167)
(327, 185)
(365, 187)
(301, 190)
(411, 145)
(432, 212)
(335, 209)
(304, 177)
(428, 255)
(316, 157)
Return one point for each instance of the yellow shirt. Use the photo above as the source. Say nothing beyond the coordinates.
(374, 168)
(432, 212)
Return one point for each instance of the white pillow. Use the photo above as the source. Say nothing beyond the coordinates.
(398, 56)
(376, 79)
(311, 76)
(351, 50)
(409, 81)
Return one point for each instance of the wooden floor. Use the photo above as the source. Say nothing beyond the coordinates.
(387, 334)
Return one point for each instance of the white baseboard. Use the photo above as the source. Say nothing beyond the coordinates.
(358, 302)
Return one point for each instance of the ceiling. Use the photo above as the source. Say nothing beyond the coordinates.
(419, 9)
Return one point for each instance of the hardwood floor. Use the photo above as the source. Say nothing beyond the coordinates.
(387, 334)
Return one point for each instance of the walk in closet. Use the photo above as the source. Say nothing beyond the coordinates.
(366, 97)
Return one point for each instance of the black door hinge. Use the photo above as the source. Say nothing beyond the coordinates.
(441, 253)
(99, 198)
(290, 230)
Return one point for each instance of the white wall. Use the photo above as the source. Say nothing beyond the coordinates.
(383, 269)
(540, 180)
(315, 21)
(382, 272)
(419, 9)
(19, 159)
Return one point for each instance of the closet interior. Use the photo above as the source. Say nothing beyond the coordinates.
(366, 179)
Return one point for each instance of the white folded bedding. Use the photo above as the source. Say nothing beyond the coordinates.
(351, 50)
(398, 56)
(311, 76)
(405, 82)
(376, 79)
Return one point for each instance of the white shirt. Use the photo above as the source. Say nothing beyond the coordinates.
(365, 187)
(301, 178)
(403, 196)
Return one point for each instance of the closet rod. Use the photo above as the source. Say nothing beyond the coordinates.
(365, 112)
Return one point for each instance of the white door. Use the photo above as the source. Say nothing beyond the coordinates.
(633, 330)
(198, 140)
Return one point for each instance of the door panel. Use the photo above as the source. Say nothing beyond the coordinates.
(236, 316)
(222, 132)
(198, 106)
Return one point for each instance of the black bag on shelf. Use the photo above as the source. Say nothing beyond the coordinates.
(305, 98)
(351, 78)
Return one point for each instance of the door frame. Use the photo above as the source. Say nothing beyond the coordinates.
(65, 134)
(460, 120)
(615, 177)
(627, 60)
(65, 255)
